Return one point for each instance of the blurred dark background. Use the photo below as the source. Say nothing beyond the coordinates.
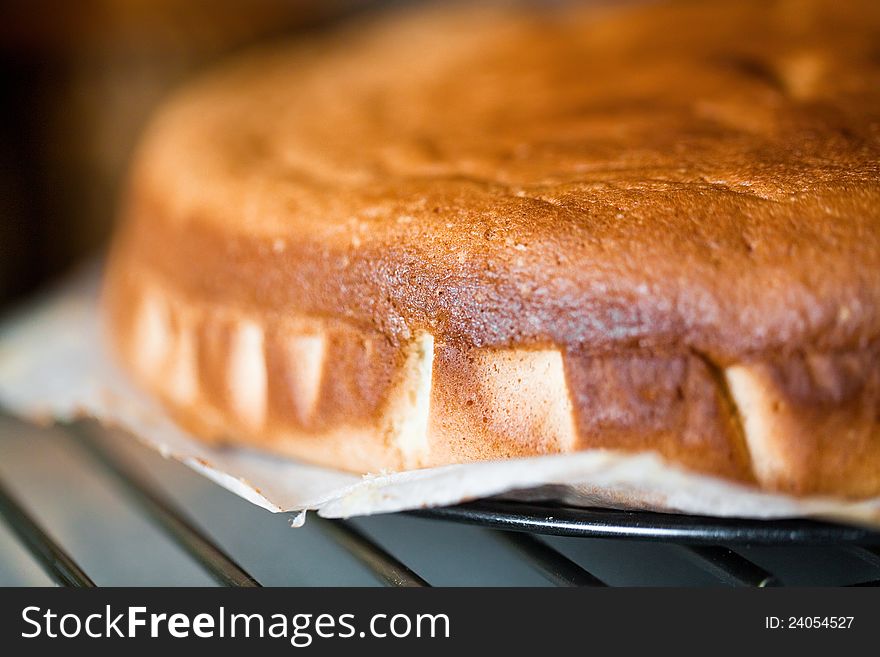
(79, 80)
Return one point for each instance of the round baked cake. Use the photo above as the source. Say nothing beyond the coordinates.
(464, 233)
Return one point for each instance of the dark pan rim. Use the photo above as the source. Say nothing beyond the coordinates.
(650, 526)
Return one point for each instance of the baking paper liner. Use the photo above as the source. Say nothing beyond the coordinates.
(54, 367)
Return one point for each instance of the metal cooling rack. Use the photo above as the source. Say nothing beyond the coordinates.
(544, 539)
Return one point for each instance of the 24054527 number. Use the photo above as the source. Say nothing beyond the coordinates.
(808, 622)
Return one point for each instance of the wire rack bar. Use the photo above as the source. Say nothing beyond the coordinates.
(387, 568)
(867, 553)
(53, 559)
(554, 565)
(219, 565)
(729, 566)
(642, 525)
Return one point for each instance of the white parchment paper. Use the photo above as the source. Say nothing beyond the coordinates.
(53, 367)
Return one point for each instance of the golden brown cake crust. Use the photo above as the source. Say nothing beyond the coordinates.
(648, 213)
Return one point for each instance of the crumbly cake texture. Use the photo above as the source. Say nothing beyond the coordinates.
(459, 234)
